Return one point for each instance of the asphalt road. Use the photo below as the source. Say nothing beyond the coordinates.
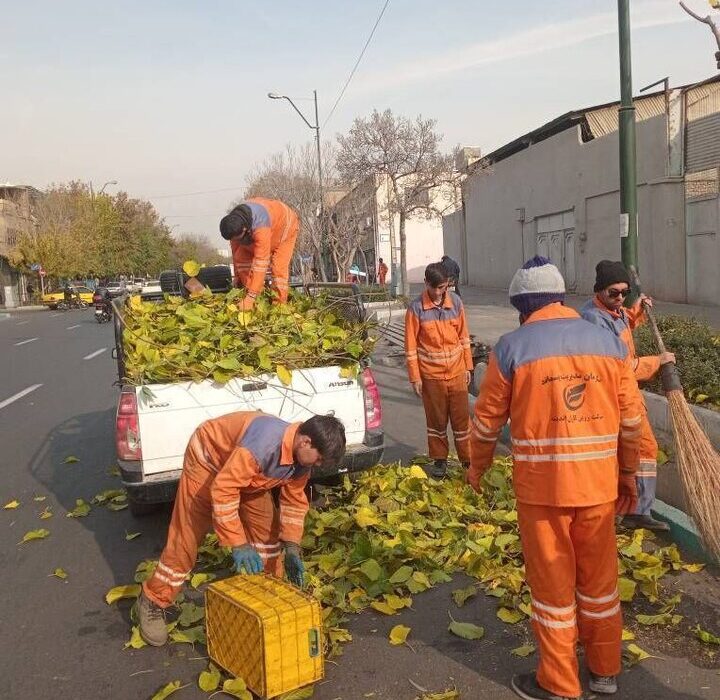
(60, 639)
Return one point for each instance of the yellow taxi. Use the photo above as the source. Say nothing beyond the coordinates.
(52, 299)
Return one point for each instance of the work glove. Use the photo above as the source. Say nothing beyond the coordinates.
(627, 494)
(294, 567)
(247, 560)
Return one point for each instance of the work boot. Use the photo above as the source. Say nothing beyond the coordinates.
(152, 622)
(606, 685)
(637, 522)
(438, 470)
(526, 686)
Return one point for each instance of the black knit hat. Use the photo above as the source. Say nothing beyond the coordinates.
(609, 272)
(234, 223)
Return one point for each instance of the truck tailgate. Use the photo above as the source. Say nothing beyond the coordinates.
(168, 414)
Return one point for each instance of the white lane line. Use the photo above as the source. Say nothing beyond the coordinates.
(94, 354)
(21, 323)
(69, 328)
(19, 395)
(24, 342)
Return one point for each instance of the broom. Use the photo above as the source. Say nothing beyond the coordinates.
(697, 460)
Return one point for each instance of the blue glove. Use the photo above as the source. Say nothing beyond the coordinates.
(294, 567)
(247, 560)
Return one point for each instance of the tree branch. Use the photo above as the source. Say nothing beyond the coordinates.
(705, 20)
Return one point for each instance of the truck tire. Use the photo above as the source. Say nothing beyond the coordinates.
(140, 510)
(172, 281)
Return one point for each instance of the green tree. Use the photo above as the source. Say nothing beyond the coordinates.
(191, 246)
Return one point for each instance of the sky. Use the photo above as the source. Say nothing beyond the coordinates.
(169, 98)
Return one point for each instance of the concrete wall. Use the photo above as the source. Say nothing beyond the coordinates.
(563, 174)
(453, 228)
(703, 251)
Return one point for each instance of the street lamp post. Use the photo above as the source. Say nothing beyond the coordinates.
(316, 129)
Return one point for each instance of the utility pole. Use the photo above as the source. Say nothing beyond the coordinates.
(628, 153)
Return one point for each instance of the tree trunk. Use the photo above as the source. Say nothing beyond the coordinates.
(405, 287)
(368, 279)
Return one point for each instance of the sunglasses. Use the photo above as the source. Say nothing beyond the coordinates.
(615, 293)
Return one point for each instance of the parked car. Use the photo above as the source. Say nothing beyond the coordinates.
(150, 287)
(52, 299)
(116, 287)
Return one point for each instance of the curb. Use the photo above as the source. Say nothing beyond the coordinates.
(24, 309)
(682, 529)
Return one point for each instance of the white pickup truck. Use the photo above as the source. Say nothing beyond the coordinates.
(154, 422)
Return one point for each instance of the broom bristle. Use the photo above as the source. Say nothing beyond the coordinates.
(699, 466)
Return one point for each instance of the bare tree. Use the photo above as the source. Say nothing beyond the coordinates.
(407, 152)
(710, 22)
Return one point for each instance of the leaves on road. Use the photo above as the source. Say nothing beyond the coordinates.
(11, 505)
(40, 534)
(466, 630)
(167, 690)
(47, 513)
(59, 573)
(80, 510)
(705, 636)
(634, 655)
(510, 616)
(451, 694)
(461, 595)
(299, 694)
(209, 679)
(192, 635)
(120, 592)
(39, 499)
(136, 641)
(132, 535)
(664, 619)
(626, 587)
(399, 634)
(190, 614)
(627, 635)
(237, 688)
(107, 495)
(524, 650)
(72, 459)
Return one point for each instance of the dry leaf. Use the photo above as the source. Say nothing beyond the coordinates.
(399, 634)
(11, 505)
(120, 592)
(40, 534)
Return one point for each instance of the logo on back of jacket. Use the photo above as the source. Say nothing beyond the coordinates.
(574, 396)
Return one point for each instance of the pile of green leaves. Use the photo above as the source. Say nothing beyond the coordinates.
(697, 350)
(206, 337)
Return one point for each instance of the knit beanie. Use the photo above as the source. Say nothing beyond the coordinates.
(609, 272)
(536, 284)
(233, 223)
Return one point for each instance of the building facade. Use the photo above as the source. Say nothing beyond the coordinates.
(555, 192)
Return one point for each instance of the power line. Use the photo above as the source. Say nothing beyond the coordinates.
(357, 63)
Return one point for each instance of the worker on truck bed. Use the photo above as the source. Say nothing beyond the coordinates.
(231, 465)
(439, 364)
(262, 234)
(605, 309)
(573, 403)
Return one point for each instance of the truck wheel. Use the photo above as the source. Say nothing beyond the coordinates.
(141, 509)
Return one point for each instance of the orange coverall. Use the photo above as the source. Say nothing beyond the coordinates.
(382, 272)
(437, 351)
(622, 323)
(231, 464)
(569, 391)
(274, 231)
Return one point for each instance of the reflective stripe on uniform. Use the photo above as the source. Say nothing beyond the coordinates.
(578, 457)
(599, 601)
(600, 615)
(582, 440)
(555, 624)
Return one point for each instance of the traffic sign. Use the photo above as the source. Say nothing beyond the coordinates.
(35, 267)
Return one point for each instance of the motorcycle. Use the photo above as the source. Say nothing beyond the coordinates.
(103, 312)
(73, 303)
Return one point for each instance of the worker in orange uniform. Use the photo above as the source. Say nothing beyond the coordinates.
(382, 272)
(231, 465)
(262, 234)
(605, 309)
(572, 400)
(439, 363)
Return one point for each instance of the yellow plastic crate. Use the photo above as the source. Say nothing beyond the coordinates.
(265, 631)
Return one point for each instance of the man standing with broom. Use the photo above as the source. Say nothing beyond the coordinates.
(605, 309)
(569, 391)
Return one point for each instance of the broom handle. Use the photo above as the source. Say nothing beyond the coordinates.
(648, 312)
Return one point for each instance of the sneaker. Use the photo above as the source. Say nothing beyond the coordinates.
(607, 685)
(438, 470)
(152, 622)
(637, 522)
(526, 686)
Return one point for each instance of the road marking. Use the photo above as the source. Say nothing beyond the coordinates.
(22, 323)
(69, 328)
(94, 354)
(19, 395)
(53, 315)
(24, 342)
